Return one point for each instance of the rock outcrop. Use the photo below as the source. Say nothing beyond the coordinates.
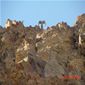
(35, 56)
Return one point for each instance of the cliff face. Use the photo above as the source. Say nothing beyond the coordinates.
(34, 56)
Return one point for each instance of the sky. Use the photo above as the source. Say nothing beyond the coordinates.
(31, 11)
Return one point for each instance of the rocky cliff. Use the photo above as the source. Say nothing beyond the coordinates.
(35, 56)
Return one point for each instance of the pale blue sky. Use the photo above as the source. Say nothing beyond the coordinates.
(31, 11)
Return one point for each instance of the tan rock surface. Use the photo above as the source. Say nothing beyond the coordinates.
(34, 56)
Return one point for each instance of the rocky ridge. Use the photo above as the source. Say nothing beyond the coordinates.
(35, 56)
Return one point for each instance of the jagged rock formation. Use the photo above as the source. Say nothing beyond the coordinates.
(34, 56)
